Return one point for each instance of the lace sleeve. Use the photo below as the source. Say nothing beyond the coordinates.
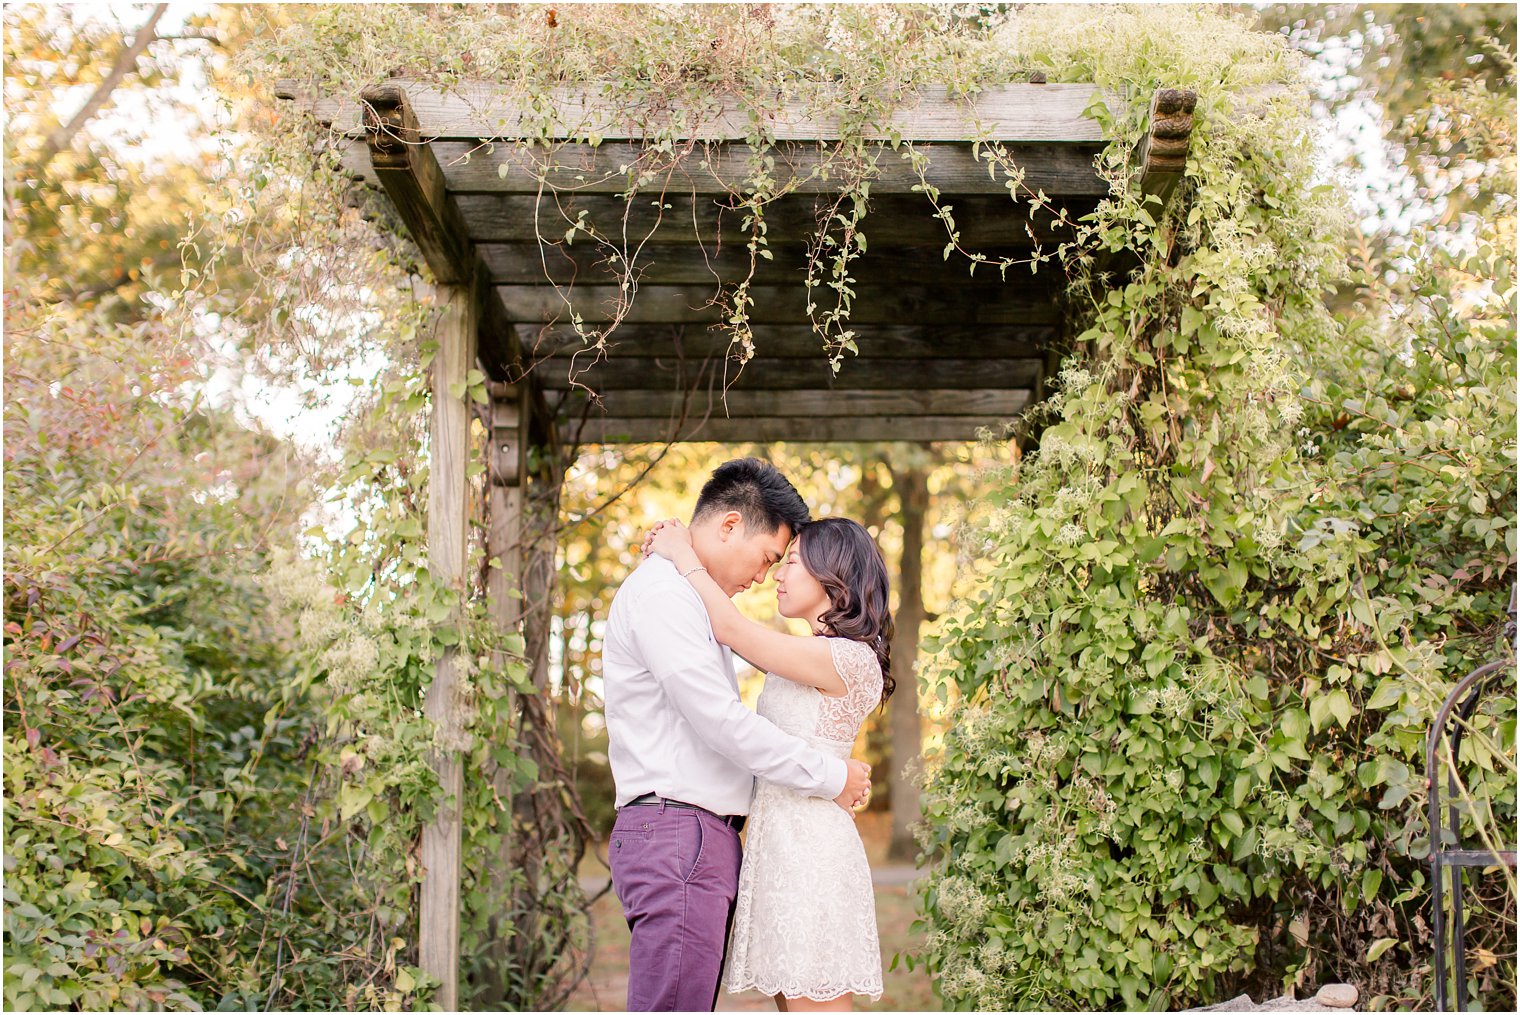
(858, 667)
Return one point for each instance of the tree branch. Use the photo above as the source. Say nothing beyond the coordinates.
(125, 64)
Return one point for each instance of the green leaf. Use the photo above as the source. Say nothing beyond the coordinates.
(352, 799)
(1243, 782)
(1377, 948)
(1389, 691)
(1338, 702)
(1319, 711)
(1191, 319)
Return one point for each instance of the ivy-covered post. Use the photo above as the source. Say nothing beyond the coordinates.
(410, 173)
(438, 930)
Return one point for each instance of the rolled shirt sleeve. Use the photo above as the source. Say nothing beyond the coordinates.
(678, 652)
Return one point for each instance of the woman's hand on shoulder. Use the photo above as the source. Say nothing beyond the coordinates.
(668, 539)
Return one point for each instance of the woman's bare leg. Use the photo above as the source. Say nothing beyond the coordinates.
(844, 1002)
(780, 1000)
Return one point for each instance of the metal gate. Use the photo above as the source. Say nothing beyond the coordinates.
(1450, 723)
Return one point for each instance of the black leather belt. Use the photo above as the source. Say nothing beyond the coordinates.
(734, 821)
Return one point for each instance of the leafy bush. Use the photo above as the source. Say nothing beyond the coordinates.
(1256, 547)
(151, 765)
(215, 762)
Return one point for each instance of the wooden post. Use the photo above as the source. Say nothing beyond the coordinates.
(438, 931)
(506, 463)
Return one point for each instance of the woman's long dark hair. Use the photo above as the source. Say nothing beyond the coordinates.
(848, 564)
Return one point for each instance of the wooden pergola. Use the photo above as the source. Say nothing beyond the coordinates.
(943, 351)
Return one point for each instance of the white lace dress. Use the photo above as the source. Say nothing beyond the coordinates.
(805, 917)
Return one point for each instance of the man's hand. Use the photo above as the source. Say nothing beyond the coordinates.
(857, 786)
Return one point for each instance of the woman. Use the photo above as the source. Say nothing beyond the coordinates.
(804, 927)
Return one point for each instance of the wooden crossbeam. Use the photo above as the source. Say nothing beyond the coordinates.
(783, 428)
(780, 305)
(473, 167)
(892, 220)
(408, 170)
(675, 263)
(635, 374)
(1158, 161)
(667, 405)
(553, 347)
(474, 109)
(410, 174)
(1162, 153)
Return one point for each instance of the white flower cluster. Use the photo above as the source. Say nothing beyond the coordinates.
(1073, 378)
(347, 649)
(1290, 409)
(967, 818)
(1070, 534)
(1043, 751)
(1097, 801)
(1053, 868)
(1269, 535)
(1075, 498)
(1066, 453)
(962, 978)
(974, 728)
(962, 903)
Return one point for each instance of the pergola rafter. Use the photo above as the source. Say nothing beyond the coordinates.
(944, 350)
(499, 212)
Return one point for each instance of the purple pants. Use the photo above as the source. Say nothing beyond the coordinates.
(676, 872)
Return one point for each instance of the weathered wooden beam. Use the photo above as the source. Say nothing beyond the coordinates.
(448, 499)
(730, 262)
(783, 428)
(1158, 162)
(508, 167)
(789, 341)
(407, 168)
(780, 304)
(893, 219)
(1162, 152)
(473, 110)
(783, 376)
(501, 354)
(410, 174)
(714, 403)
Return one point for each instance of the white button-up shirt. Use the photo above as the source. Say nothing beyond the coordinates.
(675, 724)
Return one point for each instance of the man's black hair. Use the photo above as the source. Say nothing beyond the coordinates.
(758, 491)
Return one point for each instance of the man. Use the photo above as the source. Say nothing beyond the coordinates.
(683, 748)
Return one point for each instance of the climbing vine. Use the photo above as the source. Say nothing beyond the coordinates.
(1256, 546)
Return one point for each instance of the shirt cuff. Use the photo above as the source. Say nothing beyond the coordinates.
(839, 774)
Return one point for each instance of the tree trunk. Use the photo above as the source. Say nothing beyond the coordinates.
(872, 513)
(125, 64)
(912, 485)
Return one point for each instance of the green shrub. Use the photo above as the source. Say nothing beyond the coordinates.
(1255, 548)
(150, 768)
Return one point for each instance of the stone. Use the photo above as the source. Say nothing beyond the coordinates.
(1337, 995)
